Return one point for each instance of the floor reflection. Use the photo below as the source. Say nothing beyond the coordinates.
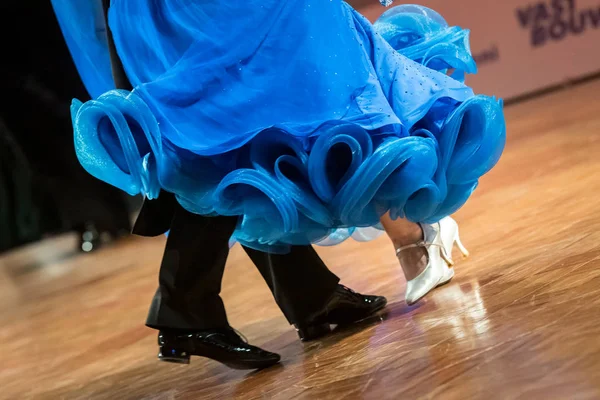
(464, 312)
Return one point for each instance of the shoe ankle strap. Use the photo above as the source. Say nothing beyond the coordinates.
(421, 243)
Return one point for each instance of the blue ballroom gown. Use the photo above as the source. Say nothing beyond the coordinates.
(300, 116)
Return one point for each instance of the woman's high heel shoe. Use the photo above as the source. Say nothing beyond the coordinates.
(450, 237)
(438, 240)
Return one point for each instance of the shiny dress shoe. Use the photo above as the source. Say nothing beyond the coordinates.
(222, 345)
(438, 241)
(345, 307)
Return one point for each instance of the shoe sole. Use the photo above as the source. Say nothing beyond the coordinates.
(251, 365)
(242, 365)
(174, 360)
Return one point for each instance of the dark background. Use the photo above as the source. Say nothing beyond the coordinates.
(43, 189)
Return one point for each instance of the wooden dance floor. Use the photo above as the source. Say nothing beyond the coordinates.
(520, 320)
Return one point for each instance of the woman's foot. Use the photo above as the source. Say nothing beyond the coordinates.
(436, 271)
(413, 260)
(403, 233)
(424, 253)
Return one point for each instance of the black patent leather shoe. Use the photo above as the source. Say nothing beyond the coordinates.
(345, 307)
(222, 345)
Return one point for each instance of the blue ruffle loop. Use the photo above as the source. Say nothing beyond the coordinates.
(116, 141)
(423, 35)
(381, 132)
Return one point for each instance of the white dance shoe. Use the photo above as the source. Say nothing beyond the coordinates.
(438, 240)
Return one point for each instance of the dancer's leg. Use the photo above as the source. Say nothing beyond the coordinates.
(191, 272)
(403, 233)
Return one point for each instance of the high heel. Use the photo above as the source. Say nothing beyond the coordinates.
(438, 241)
(450, 237)
(460, 246)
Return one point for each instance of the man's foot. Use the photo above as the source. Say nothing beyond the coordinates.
(222, 345)
(345, 307)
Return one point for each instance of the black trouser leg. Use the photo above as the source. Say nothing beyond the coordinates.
(299, 281)
(192, 269)
(191, 273)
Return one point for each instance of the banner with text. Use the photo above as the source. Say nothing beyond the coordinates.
(521, 46)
